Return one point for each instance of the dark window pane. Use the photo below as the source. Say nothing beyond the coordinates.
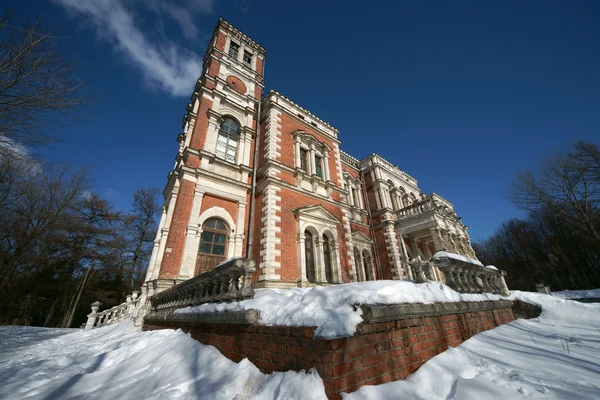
(218, 250)
(221, 226)
(230, 126)
(327, 259)
(233, 49)
(319, 166)
(247, 58)
(325, 243)
(303, 157)
(308, 240)
(220, 238)
(205, 248)
(210, 223)
(310, 265)
(207, 237)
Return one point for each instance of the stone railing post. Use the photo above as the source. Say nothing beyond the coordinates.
(418, 270)
(91, 321)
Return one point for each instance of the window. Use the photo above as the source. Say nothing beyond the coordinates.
(234, 49)
(309, 256)
(357, 261)
(247, 58)
(304, 160)
(214, 237)
(319, 166)
(229, 135)
(368, 264)
(327, 259)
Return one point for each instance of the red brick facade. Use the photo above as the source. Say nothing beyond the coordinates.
(378, 352)
(348, 237)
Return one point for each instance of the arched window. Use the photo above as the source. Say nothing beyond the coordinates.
(227, 142)
(327, 259)
(309, 256)
(214, 237)
(368, 264)
(358, 264)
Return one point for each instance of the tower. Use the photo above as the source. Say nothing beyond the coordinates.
(205, 214)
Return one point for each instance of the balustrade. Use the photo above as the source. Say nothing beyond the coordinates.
(462, 276)
(227, 282)
(113, 315)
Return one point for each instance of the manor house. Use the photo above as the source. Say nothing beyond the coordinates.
(264, 178)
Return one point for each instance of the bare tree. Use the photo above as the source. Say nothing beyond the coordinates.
(37, 82)
(567, 185)
(142, 227)
(33, 200)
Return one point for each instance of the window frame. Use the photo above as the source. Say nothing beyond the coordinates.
(224, 232)
(229, 136)
(250, 56)
(234, 47)
(327, 259)
(319, 166)
(304, 159)
(309, 256)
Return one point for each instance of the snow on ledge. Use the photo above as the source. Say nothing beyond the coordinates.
(455, 256)
(330, 309)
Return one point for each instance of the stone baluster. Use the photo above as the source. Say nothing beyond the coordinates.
(246, 291)
(91, 321)
(450, 280)
(462, 279)
(487, 277)
(503, 286)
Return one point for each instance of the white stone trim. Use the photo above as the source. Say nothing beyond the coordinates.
(270, 234)
(349, 246)
(318, 227)
(273, 135)
(153, 268)
(338, 164)
(393, 251)
(192, 237)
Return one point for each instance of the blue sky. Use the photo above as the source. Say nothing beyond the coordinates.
(459, 94)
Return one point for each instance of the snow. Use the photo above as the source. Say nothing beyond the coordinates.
(555, 356)
(330, 309)
(226, 261)
(455, 256)
(578, 294)
(120, 362)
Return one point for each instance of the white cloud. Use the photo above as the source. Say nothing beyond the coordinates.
(164, 63)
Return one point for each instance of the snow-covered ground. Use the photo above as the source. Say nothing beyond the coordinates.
(119, 363)
(578, 294)
(330, 308)
(555, 356)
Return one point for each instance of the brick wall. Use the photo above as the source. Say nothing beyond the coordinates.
(378, 353)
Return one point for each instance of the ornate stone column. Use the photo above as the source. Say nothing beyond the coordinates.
(297, 152)
(319, 260)
(301, 246)
(326, 176)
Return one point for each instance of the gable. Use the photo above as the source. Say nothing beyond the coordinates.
(358, 236)
(316, 212)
